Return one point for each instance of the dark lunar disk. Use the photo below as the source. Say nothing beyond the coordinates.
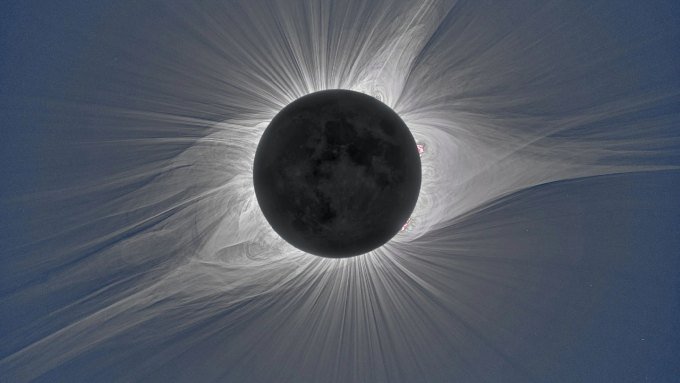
(337, 173)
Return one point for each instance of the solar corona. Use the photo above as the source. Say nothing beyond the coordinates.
(341, 191)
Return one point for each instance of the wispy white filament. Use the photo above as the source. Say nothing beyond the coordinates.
(174, 252)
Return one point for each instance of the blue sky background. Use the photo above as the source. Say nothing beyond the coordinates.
(616, 317)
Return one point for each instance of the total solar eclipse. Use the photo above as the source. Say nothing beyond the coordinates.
(337, 173)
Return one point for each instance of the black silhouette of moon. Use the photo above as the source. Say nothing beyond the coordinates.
(337, 173)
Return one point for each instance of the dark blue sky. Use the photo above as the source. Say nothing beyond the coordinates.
(615, 316)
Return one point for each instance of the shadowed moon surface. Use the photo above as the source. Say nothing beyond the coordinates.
(337, 173)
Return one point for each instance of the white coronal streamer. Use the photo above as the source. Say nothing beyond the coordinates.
(210, 264)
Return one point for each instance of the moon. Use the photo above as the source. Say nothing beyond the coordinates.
(337, 173)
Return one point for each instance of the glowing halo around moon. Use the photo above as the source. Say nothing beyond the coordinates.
(179, 258)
